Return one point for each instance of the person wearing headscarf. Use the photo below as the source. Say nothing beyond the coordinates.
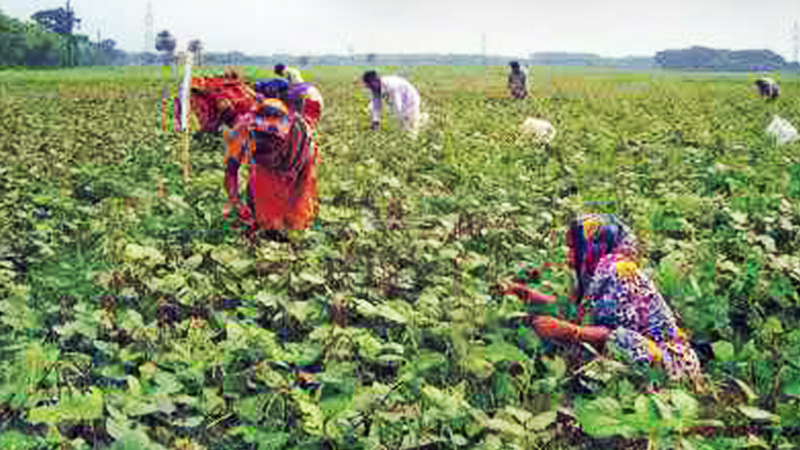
(277, 142)
(620, 307)
(768, 88)
(305, 98)
(517, 81)
(272, 130)
(400, 95)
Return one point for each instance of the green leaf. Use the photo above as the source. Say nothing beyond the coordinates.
(194, 261)
(686, 407)
(755, 442)
(739, 217)
(368, 346)
(311, 414)
(189, 422)
(757, 414)
(167, 383)
(790, 381)
(393, 347)
(751, 396)
(386, 312)
(132, 320)
(600, 417)
(503, 351)
(272, 441)
(15, 440)
(558, 367)
(117, 424)
(301, 310)
(78, 406)
(542, 421)
(135, 440)
(391, 358)
(140, 408)
(508, 429)
(723, 351)
(251, 408)
(134, 388)
(312, 279)
(50, 415)
(172, 283)
(519, 415)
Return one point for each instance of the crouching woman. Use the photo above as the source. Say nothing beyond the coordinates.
(627, 317)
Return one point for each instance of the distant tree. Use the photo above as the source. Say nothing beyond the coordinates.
(59, 20)
(41, 48)
(13, 47)
(107, 45)
(196, 48)
(371, 58)
(166, 44)
(105, 52)
(62, 21)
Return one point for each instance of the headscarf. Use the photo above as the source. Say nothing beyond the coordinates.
(593, 236)
(273, 88)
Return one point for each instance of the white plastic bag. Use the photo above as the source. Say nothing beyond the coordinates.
(782, 130)
(539, 130)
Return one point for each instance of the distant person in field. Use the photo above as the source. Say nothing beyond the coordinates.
(768, 88)
(290, 73)
(400, 95)
(517, 81)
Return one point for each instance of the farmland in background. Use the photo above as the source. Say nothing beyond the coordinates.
(133, 316)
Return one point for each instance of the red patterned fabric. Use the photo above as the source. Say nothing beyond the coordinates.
(220, 100)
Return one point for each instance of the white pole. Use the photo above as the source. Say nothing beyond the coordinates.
(185, 105)
(184, 93)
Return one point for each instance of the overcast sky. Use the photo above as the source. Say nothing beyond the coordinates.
(512, 27)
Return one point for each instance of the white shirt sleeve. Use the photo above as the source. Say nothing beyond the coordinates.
(293, 75)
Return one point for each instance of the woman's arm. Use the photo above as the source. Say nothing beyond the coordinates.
(548, 327)
(526, 294)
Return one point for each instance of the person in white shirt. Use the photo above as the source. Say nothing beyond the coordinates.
(290, 73)
(400, 95)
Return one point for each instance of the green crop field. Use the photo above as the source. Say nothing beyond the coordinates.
(133, 316)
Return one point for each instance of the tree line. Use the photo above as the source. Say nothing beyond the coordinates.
(50, 38)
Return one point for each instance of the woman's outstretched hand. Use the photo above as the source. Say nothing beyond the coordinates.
(525, 293)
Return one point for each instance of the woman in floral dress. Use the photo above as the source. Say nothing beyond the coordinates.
(627, 316)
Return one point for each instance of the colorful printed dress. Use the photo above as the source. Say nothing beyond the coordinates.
(282, 188)
(618, 295)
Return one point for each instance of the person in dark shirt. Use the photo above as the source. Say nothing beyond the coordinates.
(517, 81)
(768, 88)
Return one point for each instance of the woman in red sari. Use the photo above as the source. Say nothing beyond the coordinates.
(273, 137)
